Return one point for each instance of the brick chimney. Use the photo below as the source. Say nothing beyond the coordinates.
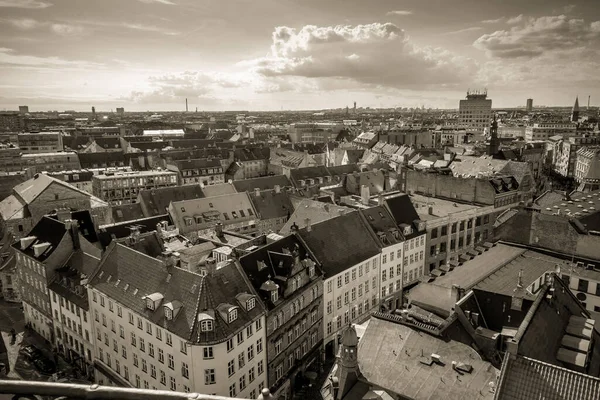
(307, 223)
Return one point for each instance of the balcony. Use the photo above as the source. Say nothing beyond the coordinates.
(64, 391)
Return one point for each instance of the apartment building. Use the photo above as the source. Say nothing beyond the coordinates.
(249, 163)
(475, 112)
(161, 327)
(391, 242)
(207, 171)
(320, 132)
(273, 209)
(564, 153)
(123, 187)
(288, 280)
(50, 162)
(74, 337)
(545, 130)
(40, 142)
(587, 168)
(81, 179)
(453, 229)
(350, 258)
(235, 212)
(45, 249)
(583, 278)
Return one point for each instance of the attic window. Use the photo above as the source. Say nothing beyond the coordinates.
(206, 325)
(168, 313)
(234, 214)
(370, 218)
(117, 282)
(250, 212)
(274, 296)
(242, 213)
(182, 209)
(250, 304)
(232, 315)
(150, 304)
(126, 286)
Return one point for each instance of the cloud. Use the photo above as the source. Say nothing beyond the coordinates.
(471, 29)
(515, 20)
(8, 57)
(23, 23)
(492, 21)
(24, 4)
(378, 55)
(400, 12)
(66, 29)
(149, 28)
(537, 36)
(166, 2)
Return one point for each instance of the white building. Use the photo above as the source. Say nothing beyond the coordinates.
(475, 112)
(545, 130)
(350, 257)
(161, 327)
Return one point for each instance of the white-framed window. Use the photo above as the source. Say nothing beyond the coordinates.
(206, 325)
(250, 303)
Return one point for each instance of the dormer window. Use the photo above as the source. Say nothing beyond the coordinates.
(153, 301)
(149, 304)
(232, 315)
(274, 296)
(250, 304)
(168, 313)
(206, 325)
(311, 271)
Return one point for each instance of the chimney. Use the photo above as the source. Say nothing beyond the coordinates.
(294, 227)
(134, 234)
(380, 200)
(72, 226)
(211, 266)
(520, 280)
(257, 192)
(365, 194)
(219, 229)
(63, 214)
(277, 189)
(307, 223)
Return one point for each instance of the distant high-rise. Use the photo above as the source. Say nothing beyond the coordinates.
(354, 107)
(186, 105)
(93, 113)
(575, 112)
(23, 110)
(529, 105)
(475, 112)
(120, 111)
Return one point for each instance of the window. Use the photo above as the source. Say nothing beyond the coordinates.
(251, 378)
(346, 298)
(241, 360)
(232, 391)
(119, 311)
(169, 339)
(278, 347)
(153, 371)
(339, 302)
(330, 307)
(229, 345)
(206, 325)
(240, 337)
(258, 325)
(250, 352)
(121, 332)
(279, 371)
(135, 360)
(131, 318)
(434, 233)
(209, 376)
(260, 367)
(182, 347)
(151, 349)
(149, 328)
(171, 361)
(142, 345)
(161, 356)
(144, 365)
(329, 286)
(231, 368)
(583, 285)
(159, 332)
(242, 382)
(208, 353)
(339, 281)
(124, 351)
(232, 315)
(163, 378)
(259, 346)
(249, 331)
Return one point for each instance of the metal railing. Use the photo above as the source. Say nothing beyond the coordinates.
(29, 389)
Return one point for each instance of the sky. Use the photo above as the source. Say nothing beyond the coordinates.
(295, 54)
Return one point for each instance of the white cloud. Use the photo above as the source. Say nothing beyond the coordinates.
(471, 29)
(8, 57)
(149, 28)
(400, 12)
(492, 21)
(540, 35)
(23, 23)
(378, 55)
(24, 4)
(166, 2)
(66, 29)
(515, 20)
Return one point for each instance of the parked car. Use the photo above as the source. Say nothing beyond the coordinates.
(44, 365)
(30, 352)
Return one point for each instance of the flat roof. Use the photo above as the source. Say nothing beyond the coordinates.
(56, 153)
(441, 207)
(128, 174)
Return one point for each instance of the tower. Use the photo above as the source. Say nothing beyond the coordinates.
(529, 105)
(575, 112)
(494, 140)
(93, 113)
(186, 105)
(348, 371)
(354, 107)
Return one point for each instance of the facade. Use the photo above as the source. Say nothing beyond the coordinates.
(587, 168)
(9, 279)
(529, 107)
(475, 112)
(565, 153)
(161, 327)
(350, 258)
(201, 171)
(47, 247)
(249, 163)
(453, 229)
(545, 130)
(288, 280)
(40, 142)
(584, 281)
(123, 187)
(10, 159)
(50, 162)
(81, 179)
(390, 240)
(11, 121)
(314, 132)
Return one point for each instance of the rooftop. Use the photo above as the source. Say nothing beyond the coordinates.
(397, 358)
(133, 174)
(262, 183)
(440, 207)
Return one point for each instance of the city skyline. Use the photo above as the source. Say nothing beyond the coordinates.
(153, 54)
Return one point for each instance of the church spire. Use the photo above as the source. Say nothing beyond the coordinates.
(348, 370)
(575, 112)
